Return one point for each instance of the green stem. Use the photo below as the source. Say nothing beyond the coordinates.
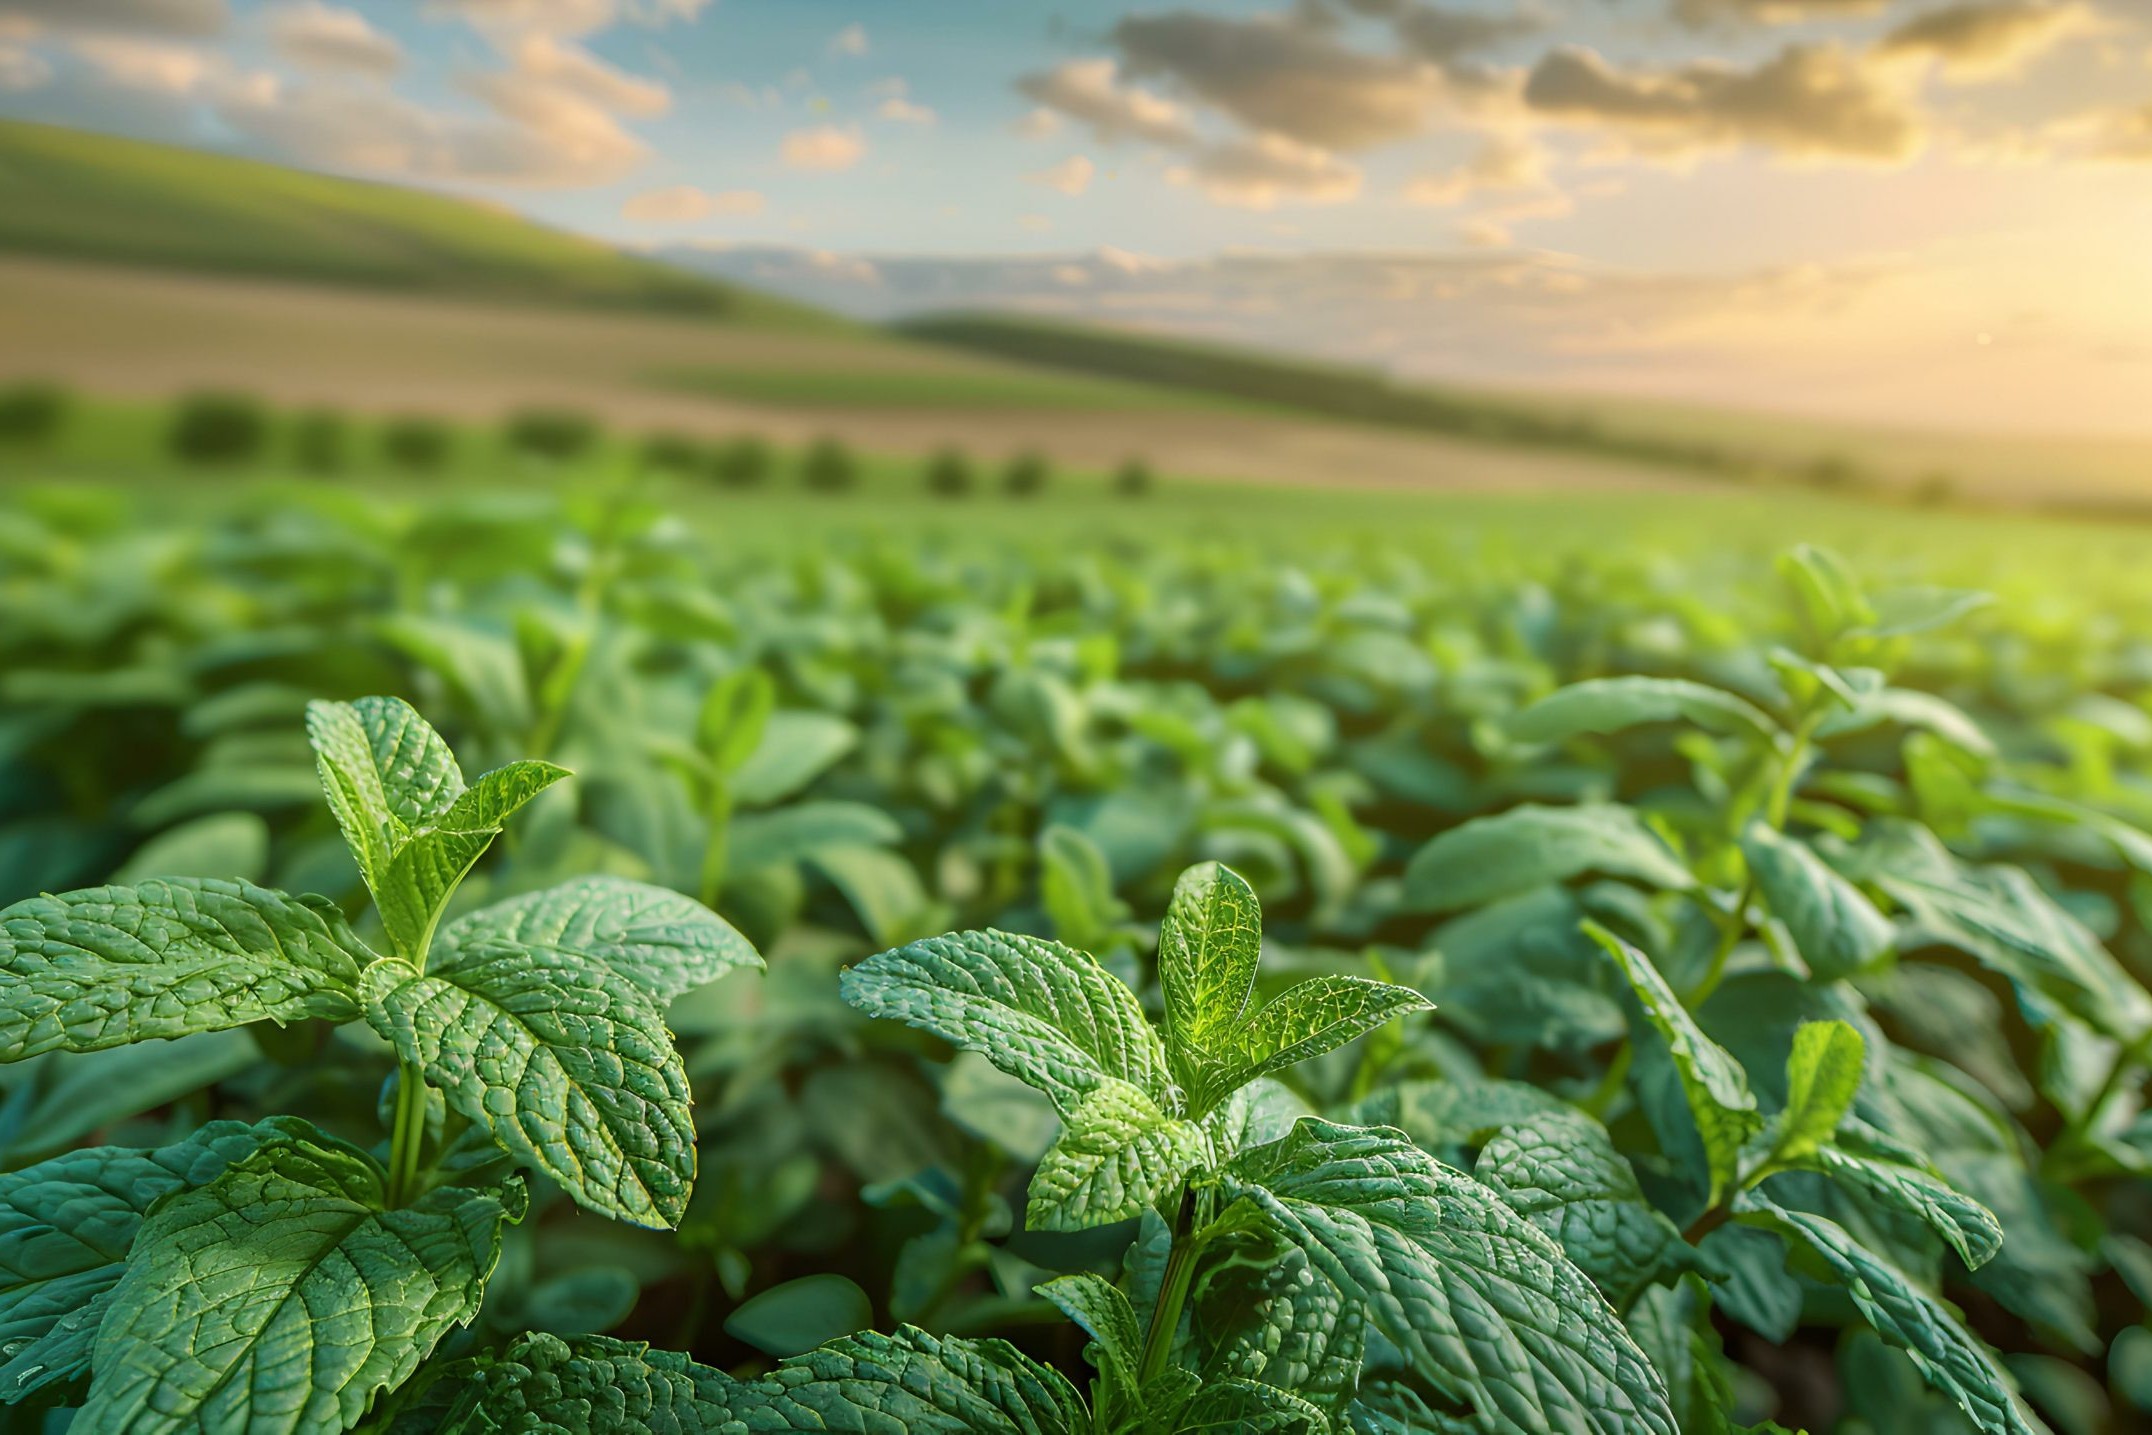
(407, 1136)
(1172, 1294)
(714, 850)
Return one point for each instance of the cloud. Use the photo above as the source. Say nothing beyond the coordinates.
(1504, 162)
(1072, 176)
(545, 70)
(1260, 171)
(1436, 33)
(1986, 38)
(899, 110)
(569, 18)
(1283, 78)
(148, 66)
(553, 121)
(321, 37)
(1808, 101)
(372, 131)
(851, 40)
(1091, 93)
(825, 147)
(2123, 136)
(1041, 123)
(1700, 13)
(684, 204)
(171, 19)
(22, 69)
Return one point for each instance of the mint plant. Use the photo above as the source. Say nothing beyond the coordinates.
(1273, 1253)
(273, 1277)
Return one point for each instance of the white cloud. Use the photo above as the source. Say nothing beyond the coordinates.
(826, 148)
(899, 110)
(22, 69)
(1043, 123)
(564, 17)
(1091, 93)
(149, 66)
(1263, 170)
(1072, 176)
(1504, 162)
(851, 40)
(315, 36)
(684, 204)
(171, 19)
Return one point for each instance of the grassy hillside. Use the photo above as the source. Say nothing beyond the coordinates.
(2081, 473)
(1333, 391)
(78, 195)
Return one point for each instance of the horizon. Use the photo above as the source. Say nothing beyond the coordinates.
(1920, 216)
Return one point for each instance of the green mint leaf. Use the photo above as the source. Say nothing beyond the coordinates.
(1605, 705)
(1044, 1013)
(1098, 1305)
(1268, 1314)
(1300, 1023)
(66, 1226)
(405, 812)
(1118, 1154)
(653, 937)
(802, 831)
(734, 716)
(1829, 595)
(1248, 1408)
(796, 748)
(1564, 1175)
(1910, 708)
(1208, 948)
(1952, 1361)
(384, 770)
(1837, 930)
(1823, 1075)
(1482, 1304)
(422, 875)
(1899, 1177)
(1713, 1083)
(569, 1066)
(168, 957)
(487, 804)
(1529, 846)
(281, 1296)
(909, 1382)
(1385, 1407)
(1076, 888)
(429, 864)
(2000, 917)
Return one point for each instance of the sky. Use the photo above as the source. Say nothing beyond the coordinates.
(1927, 213)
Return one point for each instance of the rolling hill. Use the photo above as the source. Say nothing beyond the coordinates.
(77, 195)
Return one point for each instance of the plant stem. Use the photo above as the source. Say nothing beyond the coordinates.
(1172, 1293)
(407, 1136)
(714, 850)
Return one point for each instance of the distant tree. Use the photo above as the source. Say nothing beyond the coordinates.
(1025, 476)
(742, 463)
(556, 435)
(1834, 471)
(1937, 488)
(829, 467)
(670, 453)
(949, 474)
(31, 413)
(320, 440)
(417, 443)
(1134, 479)
(217, 428)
